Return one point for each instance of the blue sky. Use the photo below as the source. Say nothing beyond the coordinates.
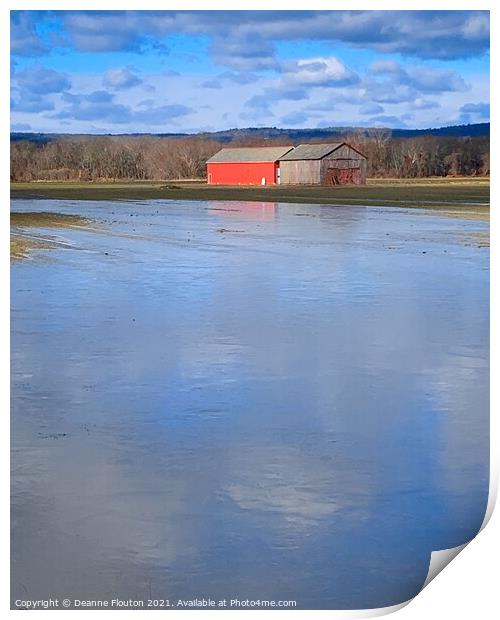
(189, 71)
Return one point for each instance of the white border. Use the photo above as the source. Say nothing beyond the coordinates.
(467, 588)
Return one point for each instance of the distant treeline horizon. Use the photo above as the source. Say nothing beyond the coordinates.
(473, 130)
(161, 157)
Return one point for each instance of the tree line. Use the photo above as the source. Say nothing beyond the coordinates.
(100, 158)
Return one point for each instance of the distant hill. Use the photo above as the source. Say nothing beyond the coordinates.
(295, 135)
(477, 130)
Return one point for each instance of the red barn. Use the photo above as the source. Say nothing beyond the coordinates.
(246, 166)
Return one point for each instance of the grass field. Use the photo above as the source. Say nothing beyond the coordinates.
(472, 194)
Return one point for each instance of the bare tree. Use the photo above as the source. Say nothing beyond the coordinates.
(94, 158)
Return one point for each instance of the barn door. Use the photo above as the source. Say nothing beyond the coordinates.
(331, 177)
(342, 176)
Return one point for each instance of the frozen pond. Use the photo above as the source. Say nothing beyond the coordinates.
(247, 401)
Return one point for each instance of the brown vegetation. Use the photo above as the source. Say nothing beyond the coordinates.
(101, 158)
(425, 156)
(46, 219)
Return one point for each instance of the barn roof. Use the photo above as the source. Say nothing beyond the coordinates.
(312, 151)
(250, 154)
(315, 151)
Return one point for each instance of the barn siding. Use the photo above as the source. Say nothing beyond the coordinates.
(345, 157)
(241, 173)
(314, 171)
(306, 171)
(356, 164)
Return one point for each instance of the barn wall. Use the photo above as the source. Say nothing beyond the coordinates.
(363, 165)
(241, 173)
(305, 171)
(314, 171)
(345, 157)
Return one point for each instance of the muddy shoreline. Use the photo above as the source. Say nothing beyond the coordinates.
(471, 195)
(23, 240)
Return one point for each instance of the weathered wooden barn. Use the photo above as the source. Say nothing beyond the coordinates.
(246, 166)
(324, 164)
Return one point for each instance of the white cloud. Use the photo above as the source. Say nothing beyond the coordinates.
(317, 72)
(120, 78)
(264, 101)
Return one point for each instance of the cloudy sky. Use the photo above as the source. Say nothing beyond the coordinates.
(170, 71)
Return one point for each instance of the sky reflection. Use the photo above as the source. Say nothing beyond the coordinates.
(293, 410)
